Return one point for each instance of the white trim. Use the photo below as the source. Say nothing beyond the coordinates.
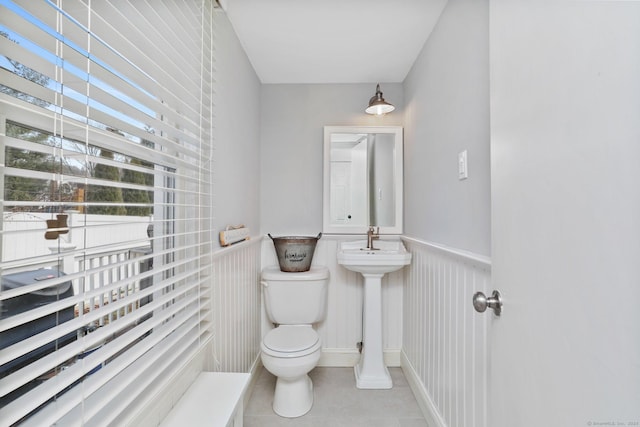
(346, 357)
(255, 371)
(477, 260)
(428, 408)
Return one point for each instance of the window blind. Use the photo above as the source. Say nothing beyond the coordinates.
(106, 143)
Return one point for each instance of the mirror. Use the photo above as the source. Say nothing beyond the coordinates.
(362, 179)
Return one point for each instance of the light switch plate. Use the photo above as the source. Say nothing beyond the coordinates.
(462, 165)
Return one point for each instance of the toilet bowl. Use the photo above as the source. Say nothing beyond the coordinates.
(289, 352)
(294, 302)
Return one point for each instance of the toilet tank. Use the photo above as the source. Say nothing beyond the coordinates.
(295, 298)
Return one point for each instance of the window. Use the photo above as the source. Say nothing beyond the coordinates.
(105, 137)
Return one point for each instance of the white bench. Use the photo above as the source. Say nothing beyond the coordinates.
(213, 400)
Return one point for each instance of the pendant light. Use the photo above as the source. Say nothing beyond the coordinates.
(377, 104)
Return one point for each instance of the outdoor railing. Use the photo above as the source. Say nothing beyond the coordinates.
(101, 270)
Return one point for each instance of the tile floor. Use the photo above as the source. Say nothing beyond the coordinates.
(338, 403)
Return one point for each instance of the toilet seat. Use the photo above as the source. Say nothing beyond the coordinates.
(290, 341)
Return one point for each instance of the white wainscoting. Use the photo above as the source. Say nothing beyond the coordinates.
(444, 353)
(342, 328)
(235, 303)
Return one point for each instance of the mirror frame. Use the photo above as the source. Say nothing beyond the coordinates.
(398, 184)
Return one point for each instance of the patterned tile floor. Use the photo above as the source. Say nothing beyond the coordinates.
(338, 403)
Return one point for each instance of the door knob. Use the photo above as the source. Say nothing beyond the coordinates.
(481, 302)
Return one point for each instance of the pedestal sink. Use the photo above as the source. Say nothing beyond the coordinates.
(389, 255)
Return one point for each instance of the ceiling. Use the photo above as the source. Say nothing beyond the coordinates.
(332, 41)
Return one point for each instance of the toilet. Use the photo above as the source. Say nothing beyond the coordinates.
(294, 302)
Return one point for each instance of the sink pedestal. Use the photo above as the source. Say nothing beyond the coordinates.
(371, 372)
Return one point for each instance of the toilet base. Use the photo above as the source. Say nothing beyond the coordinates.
(293, 397)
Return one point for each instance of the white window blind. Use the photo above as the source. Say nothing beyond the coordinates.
(106, 141)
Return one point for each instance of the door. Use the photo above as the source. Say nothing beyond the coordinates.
(565, 142)
(340, 203)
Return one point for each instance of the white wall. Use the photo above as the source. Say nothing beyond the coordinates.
(236, 152)
(447, 111)
(235, 308)
(292, 121)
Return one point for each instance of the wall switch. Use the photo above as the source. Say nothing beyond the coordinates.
(462, 165)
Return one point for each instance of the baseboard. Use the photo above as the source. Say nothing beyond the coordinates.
(428, 408)
(255, 370)
(344, 357)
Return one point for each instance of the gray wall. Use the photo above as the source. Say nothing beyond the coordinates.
(443, 105)
(236, 163)
(292, 121)
(447, 111)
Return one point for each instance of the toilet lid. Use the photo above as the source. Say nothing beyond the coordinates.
(291, 338)
(316, 272)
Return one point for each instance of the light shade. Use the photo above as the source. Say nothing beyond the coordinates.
(377, 104)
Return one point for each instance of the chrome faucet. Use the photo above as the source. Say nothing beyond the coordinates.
(373, 233)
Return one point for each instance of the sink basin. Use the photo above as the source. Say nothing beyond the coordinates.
(388, 256)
